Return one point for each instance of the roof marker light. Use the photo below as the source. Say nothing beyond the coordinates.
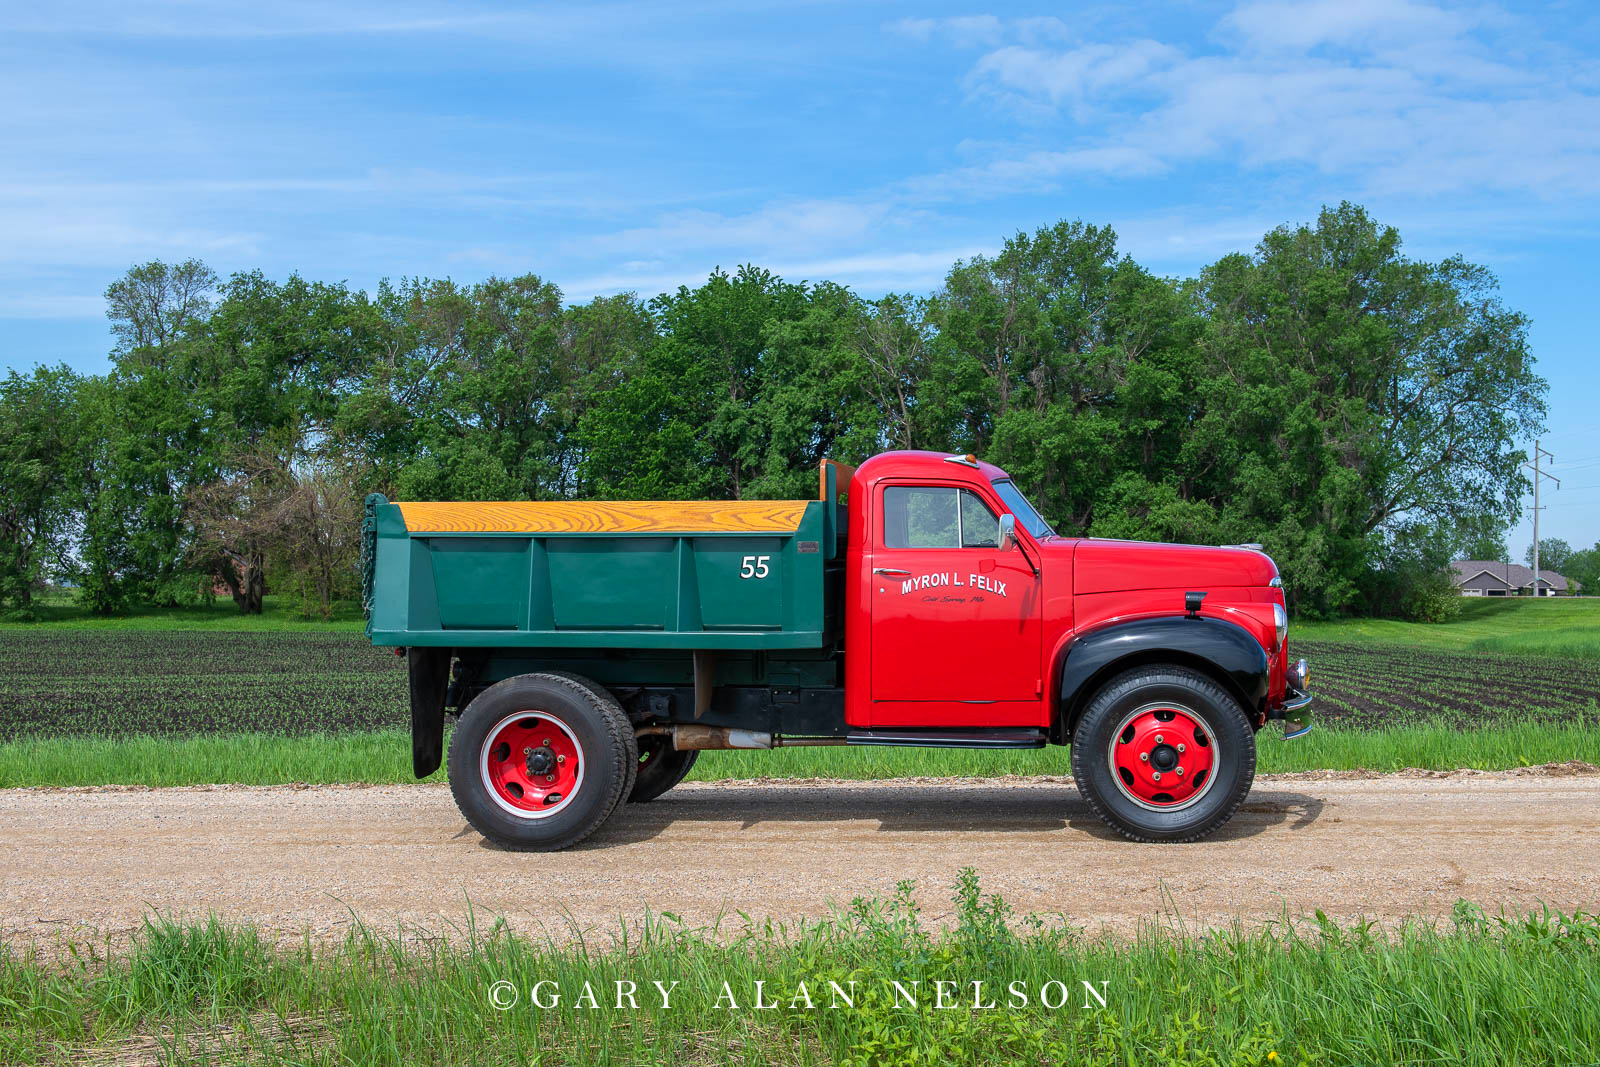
(968, 460)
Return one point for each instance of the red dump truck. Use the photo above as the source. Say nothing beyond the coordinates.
(590, 650)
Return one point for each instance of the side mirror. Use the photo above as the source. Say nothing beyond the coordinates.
(1008, 532)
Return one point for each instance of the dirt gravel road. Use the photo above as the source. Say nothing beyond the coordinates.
(77, 861)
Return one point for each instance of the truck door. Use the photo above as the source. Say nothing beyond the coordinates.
(956, 627)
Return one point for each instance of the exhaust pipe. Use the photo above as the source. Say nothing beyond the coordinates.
(700, 738)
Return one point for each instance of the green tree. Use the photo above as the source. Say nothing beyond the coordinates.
(1583, 567)
(1554, 555)
(1357, 394)
(1482, 537)
(155, 303)
(1087, 363)
(38, 434)
(266, 372)
(712, 408)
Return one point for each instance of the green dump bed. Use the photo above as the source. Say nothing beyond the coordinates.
(568, 574)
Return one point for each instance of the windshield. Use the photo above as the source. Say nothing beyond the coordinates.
(1019, 506)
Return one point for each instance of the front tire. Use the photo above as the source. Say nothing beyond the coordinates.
(538, 762)
(1164, 753)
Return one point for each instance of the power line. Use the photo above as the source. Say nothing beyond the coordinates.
(1537, 474)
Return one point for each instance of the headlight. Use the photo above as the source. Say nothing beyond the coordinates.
(1280, 619)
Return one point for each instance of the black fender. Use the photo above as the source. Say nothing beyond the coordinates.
(428, 670)
(1224, 650)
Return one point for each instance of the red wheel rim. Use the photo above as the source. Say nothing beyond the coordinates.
(1163, 757)
(532, 764)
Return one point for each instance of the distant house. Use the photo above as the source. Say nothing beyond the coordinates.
(1488, 577)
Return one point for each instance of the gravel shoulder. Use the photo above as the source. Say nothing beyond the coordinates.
(92, 862)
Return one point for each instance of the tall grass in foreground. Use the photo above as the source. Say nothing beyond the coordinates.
(1473, 990)
(385, 757)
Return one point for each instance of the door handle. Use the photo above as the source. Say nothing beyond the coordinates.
(891, 570)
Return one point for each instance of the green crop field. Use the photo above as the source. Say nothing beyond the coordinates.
(1558, 626)
(1474, 990)
(83, 706)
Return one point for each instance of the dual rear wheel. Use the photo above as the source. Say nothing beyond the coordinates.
(538, 762)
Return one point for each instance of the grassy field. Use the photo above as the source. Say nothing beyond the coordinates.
(1558, 626)
(1473, 990)
(83, 706)
(381, 757)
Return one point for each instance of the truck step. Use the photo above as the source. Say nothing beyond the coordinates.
(1005, 737)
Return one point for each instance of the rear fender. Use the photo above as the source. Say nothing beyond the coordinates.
(1223, 650)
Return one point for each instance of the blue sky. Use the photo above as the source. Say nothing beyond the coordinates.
(638, 145)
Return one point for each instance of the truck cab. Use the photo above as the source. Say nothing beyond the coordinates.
(590, 651)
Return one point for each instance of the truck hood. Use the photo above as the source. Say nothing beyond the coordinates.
(1105, 566)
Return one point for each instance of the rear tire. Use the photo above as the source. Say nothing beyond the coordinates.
(660, 768)
(538, 762)
(1163, 753)
(603, 694)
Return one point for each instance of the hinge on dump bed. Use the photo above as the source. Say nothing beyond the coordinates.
(369, 551)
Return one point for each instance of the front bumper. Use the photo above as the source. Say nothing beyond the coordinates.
(1295, 711)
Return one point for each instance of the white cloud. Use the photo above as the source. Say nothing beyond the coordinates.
(1387, 96)
(1072, 75)
(1363, 23)
(792, 225)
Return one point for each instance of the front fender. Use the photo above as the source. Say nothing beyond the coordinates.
(1224, 650)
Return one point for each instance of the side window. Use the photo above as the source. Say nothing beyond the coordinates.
(937, 517)
(920, 517)
(980, 528)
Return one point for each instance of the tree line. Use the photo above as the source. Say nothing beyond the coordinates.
(1354, 410)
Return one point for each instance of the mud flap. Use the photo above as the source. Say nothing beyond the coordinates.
(429, 673)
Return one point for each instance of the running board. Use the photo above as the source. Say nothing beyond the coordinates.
(1000, 738)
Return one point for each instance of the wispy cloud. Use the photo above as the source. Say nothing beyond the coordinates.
(1388, 96)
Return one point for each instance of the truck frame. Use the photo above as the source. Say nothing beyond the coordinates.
(591, 650)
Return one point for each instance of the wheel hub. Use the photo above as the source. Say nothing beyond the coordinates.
(1163, 757)
(532, 764)
(541, 761)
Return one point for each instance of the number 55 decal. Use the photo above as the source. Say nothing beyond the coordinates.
(754, 567)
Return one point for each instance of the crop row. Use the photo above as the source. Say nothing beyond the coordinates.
(187, 684)
(1374, 686)
(178, 684)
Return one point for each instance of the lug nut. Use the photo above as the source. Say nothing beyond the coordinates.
(547, 742)
(1180, 746)
(561, 759)
(1145, 756)
(1158, 739)
(527, 752)
(1180, 772)
(549, 777)
(1158, 776)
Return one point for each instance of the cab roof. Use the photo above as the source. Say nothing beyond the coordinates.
(918, 463)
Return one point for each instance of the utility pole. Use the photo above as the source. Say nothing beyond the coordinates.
(1538, 474)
